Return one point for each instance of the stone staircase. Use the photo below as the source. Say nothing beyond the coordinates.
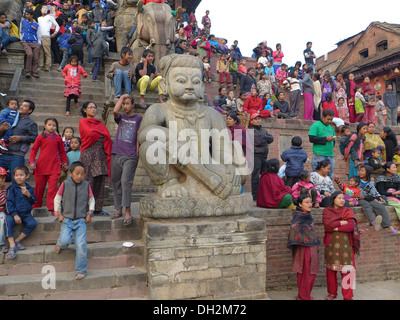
(114, 271)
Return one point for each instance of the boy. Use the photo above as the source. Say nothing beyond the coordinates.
(124, 156)
(20, 199)
(295, 158)
(345, 139)
(76, 42)
(71, 204)
(379, 110)
(98, 14)
(10, 115)
(375, 161)
(90, 37)
(351, 191)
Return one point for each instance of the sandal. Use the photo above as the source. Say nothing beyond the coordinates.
(5, 249)
(19, 246)
(330, 297)
(11, 254)
(143, 106)
(116, 215)
(128, 221)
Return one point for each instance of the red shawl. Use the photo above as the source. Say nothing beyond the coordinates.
(331, 219)
(91, 130)
(271, 190)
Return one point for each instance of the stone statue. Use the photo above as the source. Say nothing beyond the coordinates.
(12, 9)
(198, 186)
(155, 29)
(124, 21)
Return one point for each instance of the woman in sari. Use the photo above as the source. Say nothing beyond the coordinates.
(203, 47)
(353, 154)
(340, 89)
(351, 93)
(95, 153)
(303, 243)
(272, 193)
(373, 140)
(342, 243)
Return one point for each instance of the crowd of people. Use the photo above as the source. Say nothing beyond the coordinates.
(75, 169)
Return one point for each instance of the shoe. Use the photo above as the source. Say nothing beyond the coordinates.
(59, 69)
(95, 80)
(100, 213)
(377, 223)
(3, 145)
(35, 75)
(28, 75)
(67, 114)
(394, 233)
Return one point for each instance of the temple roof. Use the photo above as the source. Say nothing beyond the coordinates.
(190, 4)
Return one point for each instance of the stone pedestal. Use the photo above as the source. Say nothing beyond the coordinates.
(206, 258)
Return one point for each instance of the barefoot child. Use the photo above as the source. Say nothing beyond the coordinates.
(51, 159)
(20, 198)
(72, 74)
(124, 156)
(71, 204)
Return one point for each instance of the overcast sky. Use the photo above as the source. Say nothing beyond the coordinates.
(293, 23)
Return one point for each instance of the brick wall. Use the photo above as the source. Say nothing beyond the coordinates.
(379, 257)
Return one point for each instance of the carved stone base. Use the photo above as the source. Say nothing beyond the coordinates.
(175, 208)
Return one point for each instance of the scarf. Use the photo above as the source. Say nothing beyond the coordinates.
(302, 230)
(91, 130)
(332, 216)
(373, 141)
(271, 190)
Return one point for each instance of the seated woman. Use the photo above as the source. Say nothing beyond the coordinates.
(388, 185)
(323, 182)
(272, 193)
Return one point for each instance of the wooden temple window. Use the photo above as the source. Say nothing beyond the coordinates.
(363, 54)
(382, 46)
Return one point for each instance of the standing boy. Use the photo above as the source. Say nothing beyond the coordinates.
(20, 199)
(124, 156)
(71, 204)
(295, 158)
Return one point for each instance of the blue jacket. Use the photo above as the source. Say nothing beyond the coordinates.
(18, 203)
(30, 32)
(63, 41)
(295, 157)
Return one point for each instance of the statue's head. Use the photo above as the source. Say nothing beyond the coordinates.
(182, 78)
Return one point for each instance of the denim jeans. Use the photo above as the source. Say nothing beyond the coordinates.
(96, 67)
(6, 39)
(121, 79)
(90, 59)
(78, 227)
(319, 158)
(10, 162)
(65, 52)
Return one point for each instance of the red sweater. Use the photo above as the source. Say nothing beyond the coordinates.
(156, 1)
(330, 105)
(253, 105)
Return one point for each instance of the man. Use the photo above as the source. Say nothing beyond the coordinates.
(322, 136)
(181, 47)
(5, 26)
(122, 72)
(391, 103)
(147, 78)
(206, 19)
(31, 40)
(46, 22)
(309, 55)
(23, 134)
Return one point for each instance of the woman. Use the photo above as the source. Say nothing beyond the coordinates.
(328, 86)
(353, 153)
(372, 202)
(340, 89)
(272, 193)
(351, 93)
(342, 243)
(317, 97)
(372, 141)
(264, 85)
(248, 82)
(203, 47)
(308, 86)
(303, 242)
(390, 140)
(388, 185)
(323, 182)
(95, 153)
(236, 131)
(369, 96)
(277, 55)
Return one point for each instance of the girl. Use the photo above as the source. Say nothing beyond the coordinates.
(72, 74)
(303, 242)
(51, 159)
(264, 85)
(67, 135)
(75, 152)
(369, 93)
(354, 150)
(358, 104)
(328, 86)
(343, 110)
(342, 243)
(305, 187)
(280, 74)
(277, 55)
(207, 69)
(231, 103)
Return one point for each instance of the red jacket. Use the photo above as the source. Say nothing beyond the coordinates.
(155, 1)
(330, 105)
(253, 105)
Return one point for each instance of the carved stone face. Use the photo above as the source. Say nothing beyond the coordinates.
(185, 85)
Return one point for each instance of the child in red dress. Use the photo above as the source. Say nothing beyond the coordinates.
(52, 158)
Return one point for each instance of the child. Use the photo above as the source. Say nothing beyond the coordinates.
(379, 110)
(351, 191)
(65, 48)
(67, 135)
(3, 198)
(223, 70)
(10, 115)
(72, 74)
(396, 158)
(305, 187)
(345, 138)
(124, 156)
(231, 103)
(376, 163)
(343, 110)
(90, 37)
(269, 70)
(20, 198)
(52, 158)
(75, 152)
(207, 69)
(293, 84)
(76, 42)
(71, 204)
(295, 158)
(281, 74)
(358, 104)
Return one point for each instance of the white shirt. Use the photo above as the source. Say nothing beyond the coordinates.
(45, 24)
